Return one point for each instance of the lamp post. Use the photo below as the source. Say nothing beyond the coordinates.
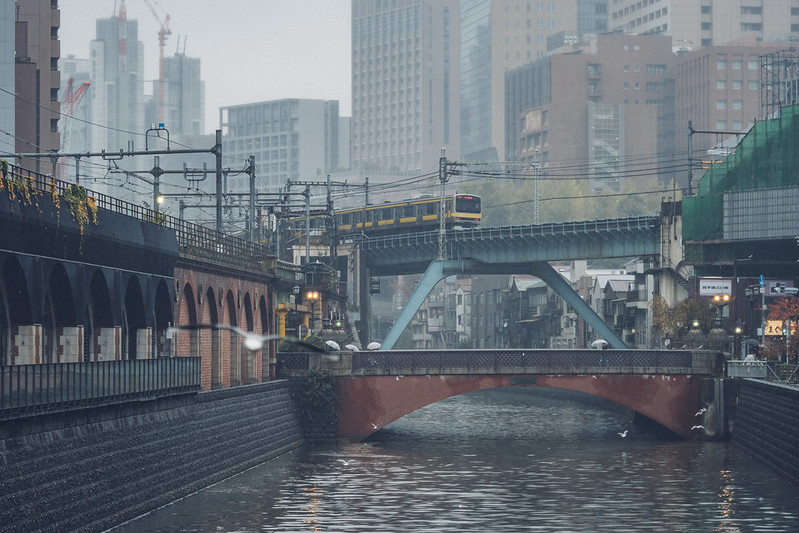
(312, 297)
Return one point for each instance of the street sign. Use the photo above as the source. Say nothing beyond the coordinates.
(762, 280)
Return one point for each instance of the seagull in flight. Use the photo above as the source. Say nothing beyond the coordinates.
(701, 411)
(252, 341)
(697, 427)
(622, 434)
(374, 425)
(346, 461)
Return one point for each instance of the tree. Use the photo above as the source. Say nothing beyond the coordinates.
(784, 309)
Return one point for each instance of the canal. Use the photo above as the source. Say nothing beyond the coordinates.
(500, 460)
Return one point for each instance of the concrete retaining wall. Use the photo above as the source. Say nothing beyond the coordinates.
(94, 470)
(766, 424)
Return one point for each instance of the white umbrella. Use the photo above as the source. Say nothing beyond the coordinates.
(599, 343)
(333, 345)
(352, 348)
(373, 346)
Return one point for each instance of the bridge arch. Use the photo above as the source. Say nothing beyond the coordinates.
(58, 312)
(134, 321)
(98, 320)
(16, 305)
(365, 404)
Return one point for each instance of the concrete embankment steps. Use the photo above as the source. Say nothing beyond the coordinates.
(767, 425)
(96, 475)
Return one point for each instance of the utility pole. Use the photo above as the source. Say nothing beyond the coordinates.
(442, 226)
(251, 172)
(218, 153)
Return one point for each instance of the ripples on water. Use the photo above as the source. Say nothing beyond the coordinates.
(503, 460)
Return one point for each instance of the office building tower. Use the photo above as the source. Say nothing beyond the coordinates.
(291, 139)
(117, 86)
(497, 36)
(405, 84)
(695, 24)
(36, 80)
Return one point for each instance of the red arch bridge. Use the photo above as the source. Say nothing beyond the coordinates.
(372, 389)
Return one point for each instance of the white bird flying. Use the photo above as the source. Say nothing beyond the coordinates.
(701, 411)
(697, 427)
(623, 434)
(252, 341)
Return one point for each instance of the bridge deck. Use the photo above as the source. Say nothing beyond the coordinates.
(496, 362)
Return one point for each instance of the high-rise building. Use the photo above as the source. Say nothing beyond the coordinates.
(699, 23)
(605, 105)
(718, 89)
(117, 86)
(405, 84)
(184, 96)
(36, 80)
(291, 139)
(500, 35)
(7, 80)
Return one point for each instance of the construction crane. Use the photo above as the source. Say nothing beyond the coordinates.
(72, 100)
(162, 33)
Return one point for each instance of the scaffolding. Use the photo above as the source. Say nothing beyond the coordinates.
(779, 82)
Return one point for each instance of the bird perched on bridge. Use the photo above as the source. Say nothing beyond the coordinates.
(252, 341)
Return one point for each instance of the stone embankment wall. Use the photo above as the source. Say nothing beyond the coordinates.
(766, 424)
(94, 470)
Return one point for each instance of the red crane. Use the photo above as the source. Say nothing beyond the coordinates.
(162, 33)
(72, 100)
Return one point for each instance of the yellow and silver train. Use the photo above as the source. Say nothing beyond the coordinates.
(415, 214)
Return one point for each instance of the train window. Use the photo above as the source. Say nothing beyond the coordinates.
(467, 204)
(409, 211)
(345, 219)
(387, 213)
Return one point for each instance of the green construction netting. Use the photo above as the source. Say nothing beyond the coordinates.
(767, 157)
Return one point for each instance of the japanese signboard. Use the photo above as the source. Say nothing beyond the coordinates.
(712, 286)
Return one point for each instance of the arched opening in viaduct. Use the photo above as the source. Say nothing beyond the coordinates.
(233, 341)
(99, 333)
(58, 313)
(134, 322)
(17, 309)
(212, 317)
(248, 358)
(162, 311)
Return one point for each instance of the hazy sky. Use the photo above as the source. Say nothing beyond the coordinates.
(251, 50)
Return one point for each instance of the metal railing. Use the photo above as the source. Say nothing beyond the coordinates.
(32, 389)
(768, 370)
(520, 361)
(193, 239)
(444, 362)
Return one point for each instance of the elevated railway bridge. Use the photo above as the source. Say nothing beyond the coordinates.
(517, 250)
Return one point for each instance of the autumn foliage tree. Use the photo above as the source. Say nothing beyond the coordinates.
(782, 310)
(674, 322)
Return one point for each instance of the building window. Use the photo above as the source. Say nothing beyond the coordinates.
(721, 125)
(751, 26)
(706, 10)
(721, 84)
(737, 64)
(751, 10)
(706, 26)
(737, 85)
(721, 104)
(754, 85)
(737, 125)
(737, 104)
(721, 64)
(753, 64)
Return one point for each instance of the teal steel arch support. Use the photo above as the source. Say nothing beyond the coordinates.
(433, 274)
(439, 269)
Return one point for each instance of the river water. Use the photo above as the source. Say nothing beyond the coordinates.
(501, 460)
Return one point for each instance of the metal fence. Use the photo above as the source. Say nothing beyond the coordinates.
(497, 361)
(29, 389)
(767, 370)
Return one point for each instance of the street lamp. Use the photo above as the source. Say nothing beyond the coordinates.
(312, 297)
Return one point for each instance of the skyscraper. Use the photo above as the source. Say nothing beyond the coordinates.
(405, 72)
(117, 90)
(185, 95)
(36, 80)
(496, 36)
(700, 23)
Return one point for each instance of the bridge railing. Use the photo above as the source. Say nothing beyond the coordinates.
(54, 387)
(519, 361)
(193, 239)
(421, 362)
